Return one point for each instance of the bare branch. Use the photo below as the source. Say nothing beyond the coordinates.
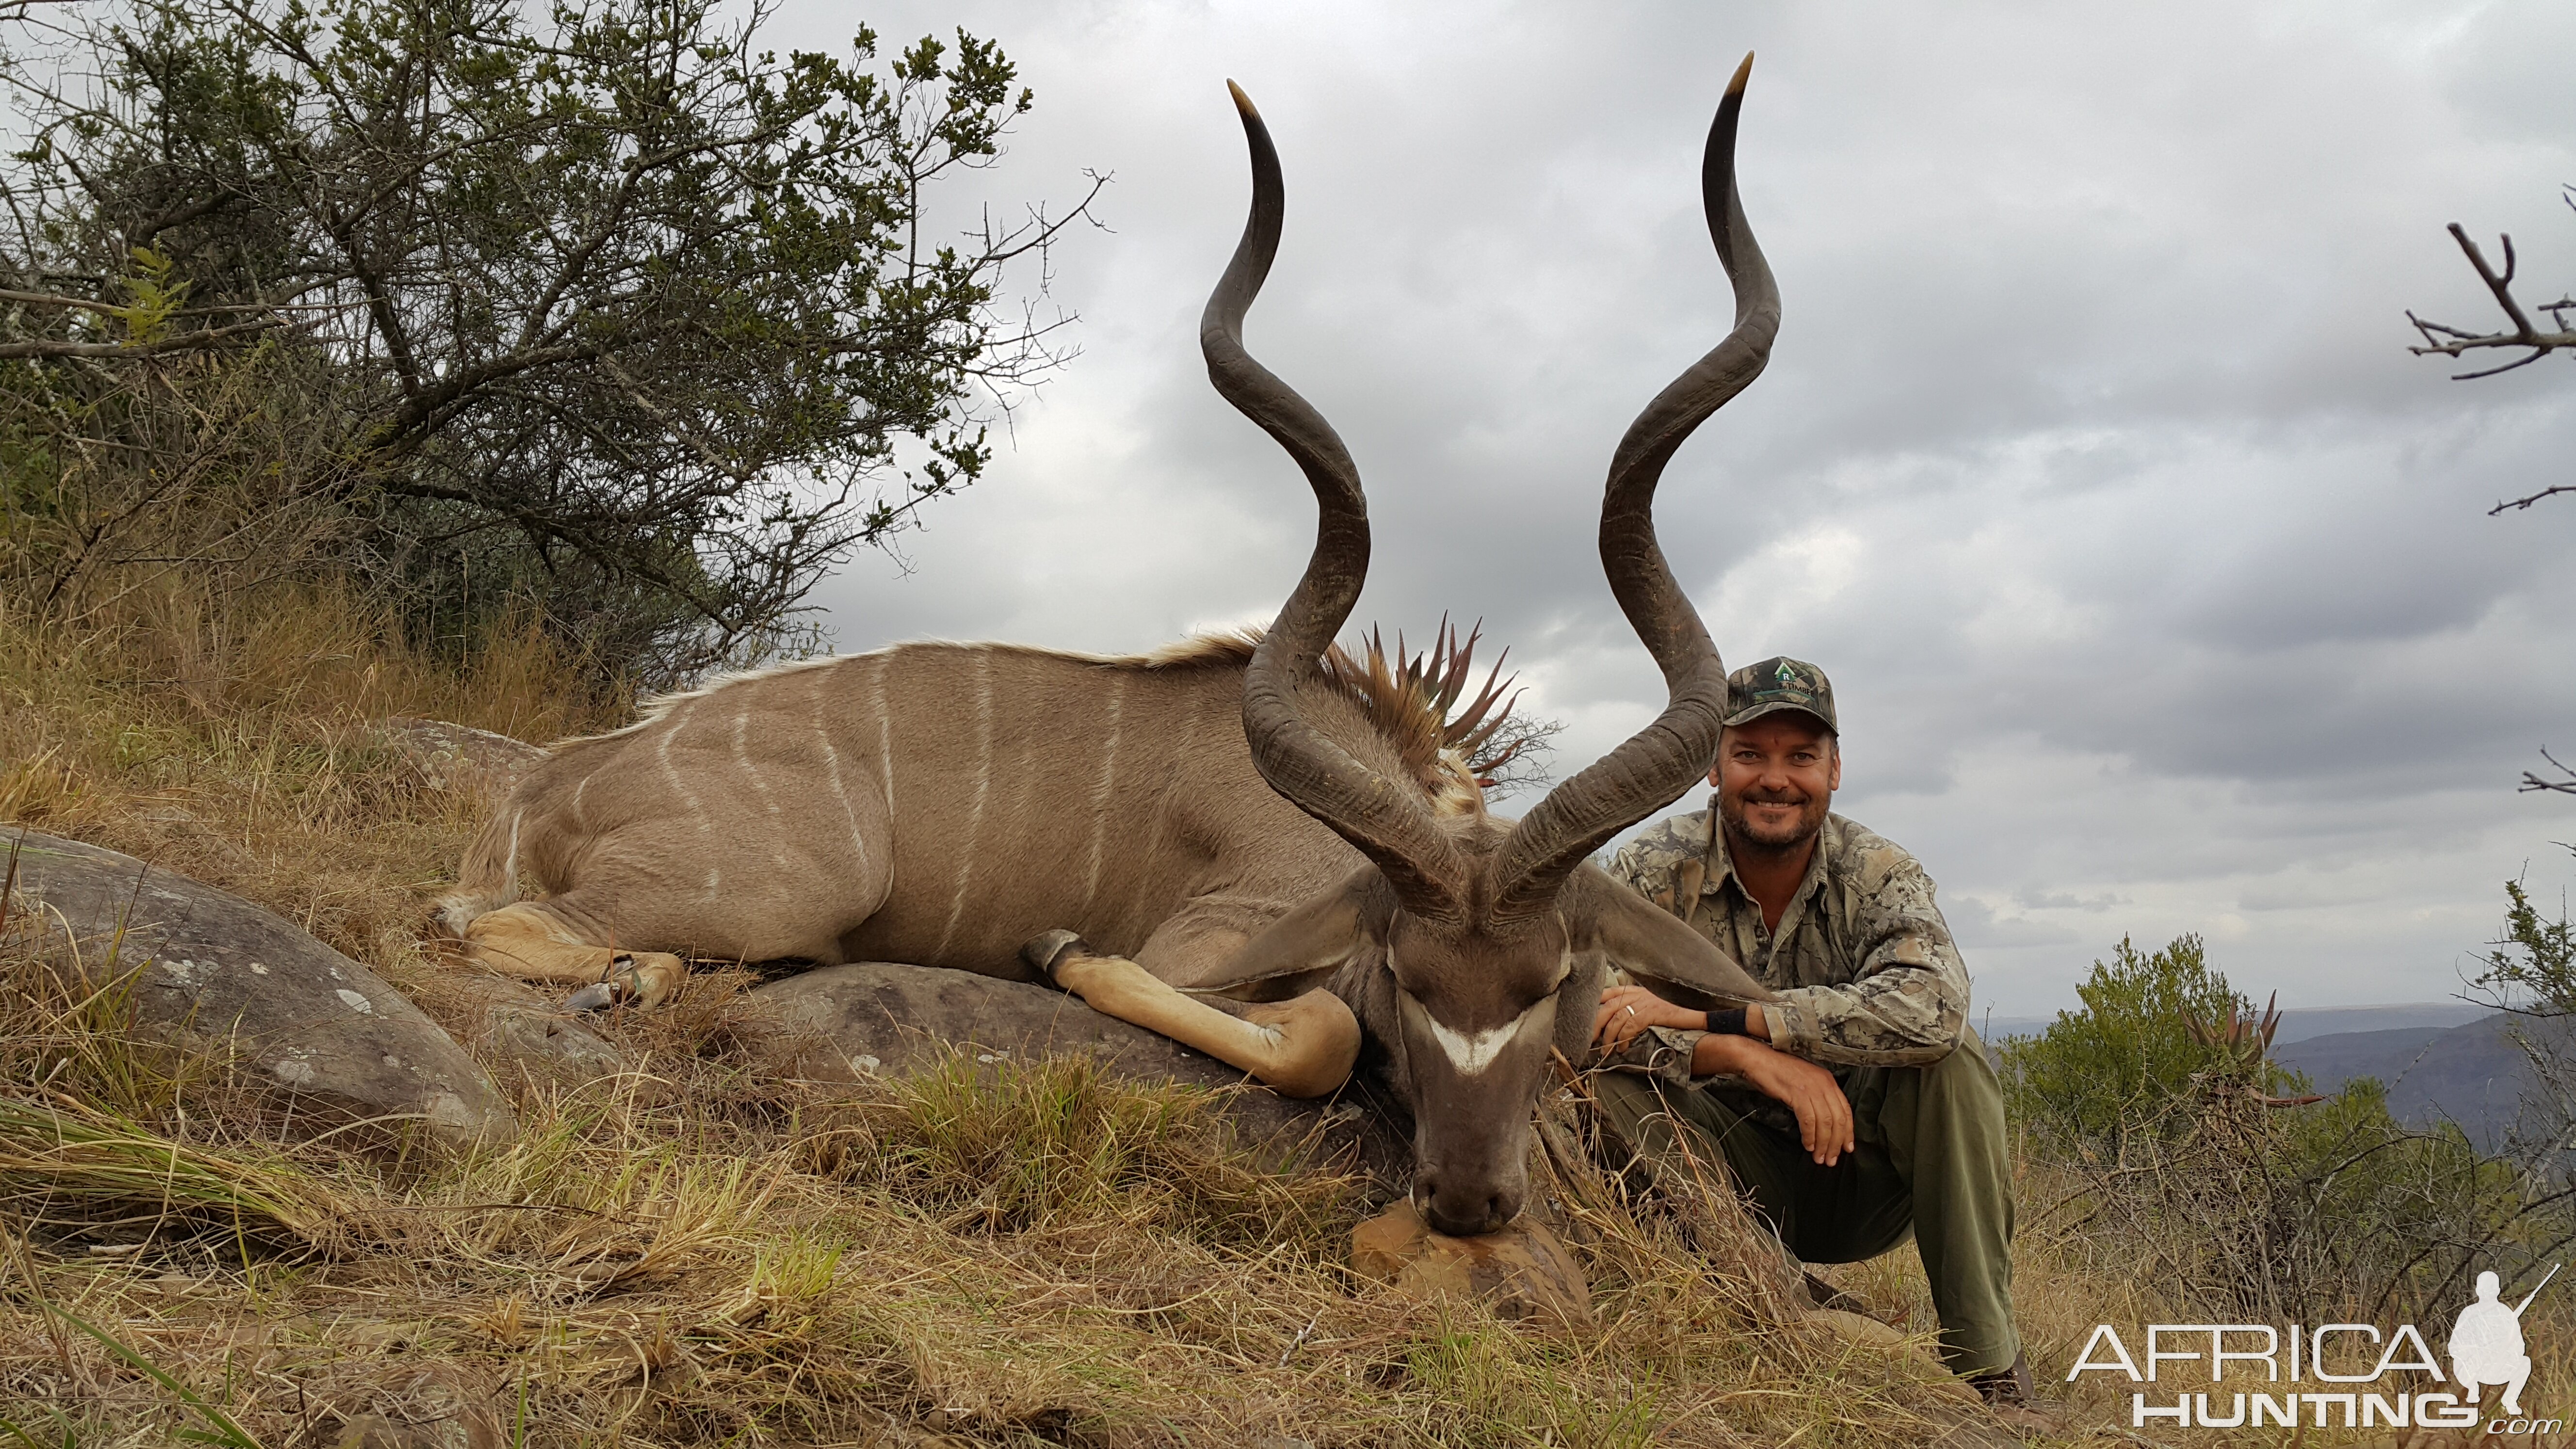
(2524, 333)
(2532, 781)
(2526, 502)
(209, 340)
(47, 299)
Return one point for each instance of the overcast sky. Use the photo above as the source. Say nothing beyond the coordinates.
(2153, 574)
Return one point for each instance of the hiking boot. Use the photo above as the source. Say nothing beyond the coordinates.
(2005, 1387)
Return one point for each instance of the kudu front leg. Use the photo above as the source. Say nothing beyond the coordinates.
(524, 941)
(1298, 1048)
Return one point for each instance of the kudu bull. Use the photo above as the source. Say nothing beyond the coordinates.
(949, 805)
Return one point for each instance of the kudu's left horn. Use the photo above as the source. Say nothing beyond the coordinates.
(1374, 815)
(1660, 761)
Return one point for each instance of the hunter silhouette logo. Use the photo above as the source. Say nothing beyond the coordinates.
(2362, 1375)
(2486, 1343)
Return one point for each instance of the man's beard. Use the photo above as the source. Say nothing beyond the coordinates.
(1774, 840)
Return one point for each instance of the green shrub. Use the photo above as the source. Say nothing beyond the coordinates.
(2174, 1145)
(2129, 1049)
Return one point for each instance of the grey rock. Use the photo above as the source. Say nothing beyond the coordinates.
(455, 756)
(214, 970)
(842, 1023)
(515, 1025)
(442, 1407)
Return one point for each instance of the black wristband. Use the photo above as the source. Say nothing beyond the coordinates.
(1726, 1023)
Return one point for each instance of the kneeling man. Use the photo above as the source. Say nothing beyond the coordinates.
(1857, 1109)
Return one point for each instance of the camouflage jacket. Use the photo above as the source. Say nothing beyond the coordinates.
(1863, 962)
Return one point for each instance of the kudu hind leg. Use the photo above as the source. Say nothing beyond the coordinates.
(525, 941)
(1298, 1048)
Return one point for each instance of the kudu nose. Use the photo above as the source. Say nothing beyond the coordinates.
(1461, 1209)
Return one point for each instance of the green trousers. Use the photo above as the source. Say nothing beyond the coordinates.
(1930, 1164)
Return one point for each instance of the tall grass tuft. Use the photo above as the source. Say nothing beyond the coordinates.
(1063, 1141)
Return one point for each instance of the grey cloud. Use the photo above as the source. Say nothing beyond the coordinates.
(2032, 899)
(2154, 574)
(1975, 925)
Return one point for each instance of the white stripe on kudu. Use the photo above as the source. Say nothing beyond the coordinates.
(751, 772)
(885, 734)
(697, 812)
(983, 787)
(1100, 794)
(1159, 808)
(832, 772)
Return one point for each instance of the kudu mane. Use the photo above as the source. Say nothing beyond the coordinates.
(1411, 700)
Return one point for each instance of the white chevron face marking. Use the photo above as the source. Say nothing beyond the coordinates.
(1472, 1053)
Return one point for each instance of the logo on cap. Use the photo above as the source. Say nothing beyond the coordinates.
(1777, 684)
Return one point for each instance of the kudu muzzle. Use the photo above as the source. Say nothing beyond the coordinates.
(1471, 1118)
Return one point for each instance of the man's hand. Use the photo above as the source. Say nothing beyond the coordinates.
(1824, 1114)
(1628, 1010)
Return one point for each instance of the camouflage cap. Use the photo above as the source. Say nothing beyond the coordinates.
(1777, 684)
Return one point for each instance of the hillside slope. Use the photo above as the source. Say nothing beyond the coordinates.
(2477, 1075)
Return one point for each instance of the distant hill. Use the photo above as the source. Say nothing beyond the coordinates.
(2298, 1023)
(2441, 1061)
(2475, 1074)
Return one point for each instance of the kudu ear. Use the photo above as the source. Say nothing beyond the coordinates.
(1301, 950)
(1653, 945)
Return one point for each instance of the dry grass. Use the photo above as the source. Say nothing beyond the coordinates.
(691, 1254)
(233, 739)
(977, 1254)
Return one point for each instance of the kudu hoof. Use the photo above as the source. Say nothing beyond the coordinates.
(621, 983)
(597, 996)
(1047, 948)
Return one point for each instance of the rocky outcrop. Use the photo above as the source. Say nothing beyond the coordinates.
(1522, 1272)
(440, 1407)
(211, 969)
(840, 1023)
(516, 1027)
(460, 757)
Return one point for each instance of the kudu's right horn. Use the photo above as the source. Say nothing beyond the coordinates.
(1376, 816)
(1662, 760)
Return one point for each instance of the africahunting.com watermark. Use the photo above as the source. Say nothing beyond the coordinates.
(2363, 1372)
